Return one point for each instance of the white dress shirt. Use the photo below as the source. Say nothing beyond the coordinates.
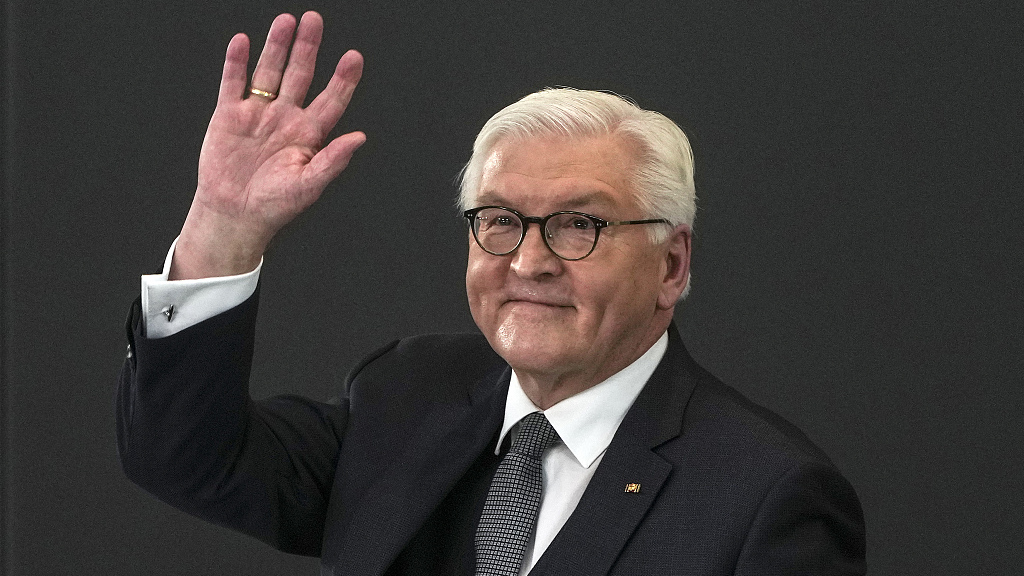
(170, 306)
(586, 422)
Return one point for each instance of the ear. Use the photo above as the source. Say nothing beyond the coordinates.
(676, 274)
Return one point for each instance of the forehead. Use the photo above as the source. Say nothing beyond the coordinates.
(559, 173)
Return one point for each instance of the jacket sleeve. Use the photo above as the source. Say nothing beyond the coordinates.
(189, 433)
(809, 523)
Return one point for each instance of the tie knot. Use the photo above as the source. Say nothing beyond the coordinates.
(535, 434)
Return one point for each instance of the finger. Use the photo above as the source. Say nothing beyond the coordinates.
(302, 61)
(267, 75)
(333, 158)
(330, 104)
(234, 78)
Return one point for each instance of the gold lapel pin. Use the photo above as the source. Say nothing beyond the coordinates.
(633, 488)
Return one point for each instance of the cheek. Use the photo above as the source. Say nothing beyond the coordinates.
(483, 276)
(633, 295)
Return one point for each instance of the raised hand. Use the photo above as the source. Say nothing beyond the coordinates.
(263, 159)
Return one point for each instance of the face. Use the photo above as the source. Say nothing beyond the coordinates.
(572, 322)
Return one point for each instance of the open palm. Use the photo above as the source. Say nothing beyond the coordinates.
(263, 159)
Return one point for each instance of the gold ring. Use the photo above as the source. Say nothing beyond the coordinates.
(262, 93)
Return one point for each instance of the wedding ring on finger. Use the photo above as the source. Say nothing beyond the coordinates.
(262, 93)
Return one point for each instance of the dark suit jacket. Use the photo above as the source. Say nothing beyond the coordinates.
(391, 479)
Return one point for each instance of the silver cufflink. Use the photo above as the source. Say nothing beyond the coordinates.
(168, 312)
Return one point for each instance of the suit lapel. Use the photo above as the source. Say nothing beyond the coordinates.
(608, 514)
(452, 438)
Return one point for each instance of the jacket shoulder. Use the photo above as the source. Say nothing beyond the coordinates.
(756, 486)
(714, 403)
(431, 365)
(801, 515)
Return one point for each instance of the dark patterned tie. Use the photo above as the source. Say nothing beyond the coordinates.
(510, 511)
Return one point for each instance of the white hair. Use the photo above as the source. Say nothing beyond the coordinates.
(663, 174)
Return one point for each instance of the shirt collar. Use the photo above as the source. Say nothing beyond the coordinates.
(587, 421)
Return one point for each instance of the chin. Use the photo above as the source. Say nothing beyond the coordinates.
(532, 347)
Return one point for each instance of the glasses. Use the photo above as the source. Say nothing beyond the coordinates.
(570, 235)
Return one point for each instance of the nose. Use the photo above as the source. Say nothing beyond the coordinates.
(533, 258)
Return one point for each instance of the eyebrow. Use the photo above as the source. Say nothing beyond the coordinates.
(595, 198)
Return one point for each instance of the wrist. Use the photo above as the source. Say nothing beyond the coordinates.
(210, 247)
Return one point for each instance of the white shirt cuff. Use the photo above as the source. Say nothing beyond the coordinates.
(170, 306)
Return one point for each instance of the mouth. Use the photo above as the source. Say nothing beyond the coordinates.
(534, 297)
(538, 302)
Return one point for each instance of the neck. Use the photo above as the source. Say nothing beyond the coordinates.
(547, 389)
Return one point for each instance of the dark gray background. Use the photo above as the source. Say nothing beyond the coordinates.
(856, 264)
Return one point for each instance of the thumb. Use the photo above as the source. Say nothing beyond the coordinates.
(333, 158)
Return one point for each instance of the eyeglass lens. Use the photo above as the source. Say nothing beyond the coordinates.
(570, 236)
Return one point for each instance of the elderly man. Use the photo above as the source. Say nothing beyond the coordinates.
(575, 437)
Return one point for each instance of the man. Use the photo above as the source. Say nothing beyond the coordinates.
(576, 437)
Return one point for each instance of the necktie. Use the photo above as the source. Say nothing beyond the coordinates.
(510, 510)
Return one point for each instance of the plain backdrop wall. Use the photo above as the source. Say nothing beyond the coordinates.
(856, 263)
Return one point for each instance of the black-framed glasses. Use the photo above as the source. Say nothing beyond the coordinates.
(570, 235)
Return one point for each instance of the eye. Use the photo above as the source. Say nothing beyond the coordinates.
(570, 223)
(497, 220)
(581, 223)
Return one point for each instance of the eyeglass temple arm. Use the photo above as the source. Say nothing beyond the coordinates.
(624, 222)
